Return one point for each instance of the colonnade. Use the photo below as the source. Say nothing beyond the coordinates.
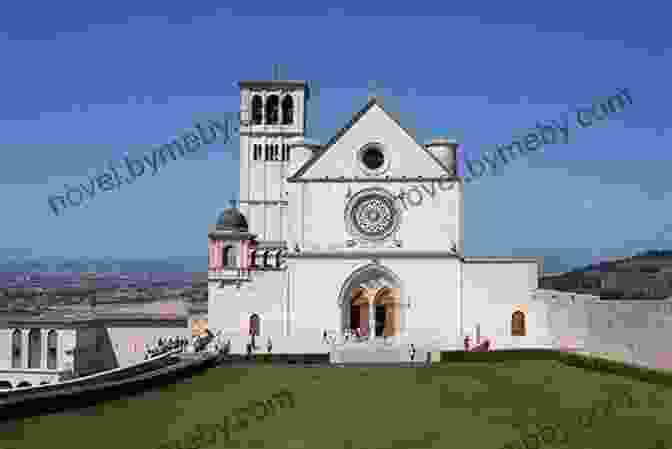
(366, 300)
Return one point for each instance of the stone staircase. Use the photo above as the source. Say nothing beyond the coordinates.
(376, 351)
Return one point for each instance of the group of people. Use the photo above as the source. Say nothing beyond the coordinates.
(167, 344)
(479, 347)
(353, 334)
(164, 345)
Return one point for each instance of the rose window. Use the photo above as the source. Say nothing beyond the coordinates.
(372, 215)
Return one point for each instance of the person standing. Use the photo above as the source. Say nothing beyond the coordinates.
(411, 352)
(269, 345)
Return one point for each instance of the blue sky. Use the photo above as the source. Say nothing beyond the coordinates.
(89, 83)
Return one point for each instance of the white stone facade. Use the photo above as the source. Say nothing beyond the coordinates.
(315, 256)
(311, 207)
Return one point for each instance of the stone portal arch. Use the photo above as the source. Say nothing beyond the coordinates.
(373, 298)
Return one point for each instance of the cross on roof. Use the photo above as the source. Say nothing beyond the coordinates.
(373, 89)
(278, 70)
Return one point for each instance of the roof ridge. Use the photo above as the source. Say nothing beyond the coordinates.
(374, 100)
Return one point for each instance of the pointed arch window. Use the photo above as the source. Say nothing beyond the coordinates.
(518, 324)
(52, 349)
(16, 349)
(257, 109)
(287, 110)
(272, 109)
(34, 348)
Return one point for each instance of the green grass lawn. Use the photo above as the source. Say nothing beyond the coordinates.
(452, 405)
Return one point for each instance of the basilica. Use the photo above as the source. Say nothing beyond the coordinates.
(320, 241)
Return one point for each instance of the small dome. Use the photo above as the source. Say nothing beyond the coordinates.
(233, 220)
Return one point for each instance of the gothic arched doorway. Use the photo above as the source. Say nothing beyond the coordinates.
(372, 301)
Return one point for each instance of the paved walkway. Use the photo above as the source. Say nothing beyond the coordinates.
(377, 351)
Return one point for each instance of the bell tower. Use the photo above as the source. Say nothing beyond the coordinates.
(271, 113)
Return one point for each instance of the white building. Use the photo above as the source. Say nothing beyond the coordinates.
(327, 238)
(40, 348)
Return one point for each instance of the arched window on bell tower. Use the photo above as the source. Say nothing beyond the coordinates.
(257, 109)
(257, 151)
(272, 109)
(229, 257)
(287, 110)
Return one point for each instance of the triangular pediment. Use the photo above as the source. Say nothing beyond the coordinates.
(404, 156)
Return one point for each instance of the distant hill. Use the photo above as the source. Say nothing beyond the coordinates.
(55, 272)
(649, 257)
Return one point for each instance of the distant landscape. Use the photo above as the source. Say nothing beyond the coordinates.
(56, 272)
(56, 278)
(37, 284)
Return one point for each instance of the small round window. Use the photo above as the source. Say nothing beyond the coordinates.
(373, 160)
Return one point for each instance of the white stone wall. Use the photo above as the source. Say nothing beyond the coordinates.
(630, 331)
(230, 308)
(321, 220)
(494, 291)
(432, 288)
(315, 286)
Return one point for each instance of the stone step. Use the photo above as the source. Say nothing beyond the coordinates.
(377, 354)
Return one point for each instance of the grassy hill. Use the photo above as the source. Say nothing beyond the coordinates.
(458, 405)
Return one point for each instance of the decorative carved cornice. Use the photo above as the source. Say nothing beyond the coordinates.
(376, 179)
(372, 254)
